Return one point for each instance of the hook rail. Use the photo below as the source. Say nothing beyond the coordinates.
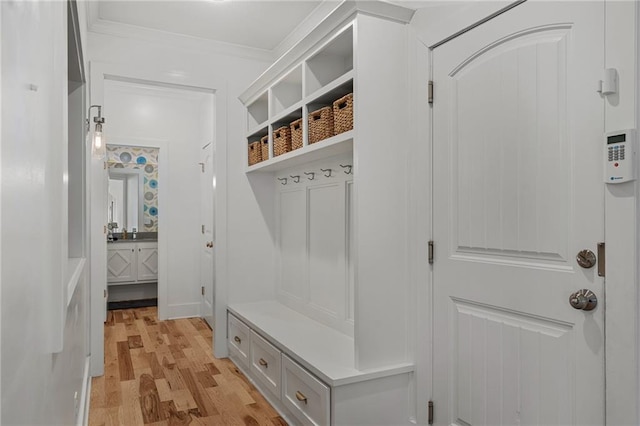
(349, 168)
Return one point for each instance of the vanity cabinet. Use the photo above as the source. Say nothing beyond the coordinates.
(147, 261)
(132, 262)
(121, 263)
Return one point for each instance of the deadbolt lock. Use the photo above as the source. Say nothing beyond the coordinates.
(586, 258)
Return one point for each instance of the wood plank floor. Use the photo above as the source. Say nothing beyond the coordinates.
(163, 373)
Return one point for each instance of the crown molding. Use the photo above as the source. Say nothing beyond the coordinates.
(178, 41)
(317, 15)
(345, 11)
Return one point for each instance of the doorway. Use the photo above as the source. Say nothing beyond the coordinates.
(132, 226)
(174, 119)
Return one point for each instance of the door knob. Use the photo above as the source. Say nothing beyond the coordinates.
(584, 300)
(586, 258)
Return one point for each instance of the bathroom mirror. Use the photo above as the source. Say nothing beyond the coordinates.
(125, 204)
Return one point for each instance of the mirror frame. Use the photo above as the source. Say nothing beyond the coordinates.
(124, 173)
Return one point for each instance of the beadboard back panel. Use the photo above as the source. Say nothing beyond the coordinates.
(315, 241)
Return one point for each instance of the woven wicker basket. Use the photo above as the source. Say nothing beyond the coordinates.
(296, 134)
(264, 147)
(281, 141)
(343, 114)
(255, 156)
(320, 124)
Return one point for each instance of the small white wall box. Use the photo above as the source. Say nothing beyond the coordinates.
(619, 156)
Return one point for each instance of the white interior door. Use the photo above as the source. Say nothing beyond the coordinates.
(518, 192)
(207, 240)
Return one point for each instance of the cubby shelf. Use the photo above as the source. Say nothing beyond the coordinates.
(288, 115)
(334, 145)
(259, 129)
(333, 90)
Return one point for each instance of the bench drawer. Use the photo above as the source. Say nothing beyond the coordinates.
(305, 396)
(266, 363)
(239, 339)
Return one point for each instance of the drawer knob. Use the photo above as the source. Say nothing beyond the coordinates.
(237, 339)
(263, 363)
(300, 396)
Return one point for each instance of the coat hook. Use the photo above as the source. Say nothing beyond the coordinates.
(283, 180)
(348, 167)
(296, 179)
(327, 172)
(313, 175)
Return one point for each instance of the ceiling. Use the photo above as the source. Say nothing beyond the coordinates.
(261, 24)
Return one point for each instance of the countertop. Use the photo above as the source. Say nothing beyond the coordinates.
(137, 240)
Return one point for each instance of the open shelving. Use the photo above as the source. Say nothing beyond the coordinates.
(330, 62)
(258, 111)
(286, 92)
(330, 147)
(324, 77)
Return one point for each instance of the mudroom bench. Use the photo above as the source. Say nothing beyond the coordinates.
(307, 370)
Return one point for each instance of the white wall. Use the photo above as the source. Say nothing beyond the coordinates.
(241, 239)
(43, 328)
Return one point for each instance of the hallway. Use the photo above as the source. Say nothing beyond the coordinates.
(164, 373)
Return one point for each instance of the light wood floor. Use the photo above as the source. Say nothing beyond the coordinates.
(164, 373)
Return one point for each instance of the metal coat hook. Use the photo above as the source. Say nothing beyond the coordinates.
(283, 180)
(313, 175)
(327, 172)
(348, 167)
(296, 179)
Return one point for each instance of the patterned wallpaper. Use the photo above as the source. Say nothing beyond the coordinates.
(131, 157)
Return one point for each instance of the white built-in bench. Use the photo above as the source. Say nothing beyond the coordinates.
(307, 369)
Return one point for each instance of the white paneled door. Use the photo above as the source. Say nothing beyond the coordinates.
(518, 192)
(207, 239)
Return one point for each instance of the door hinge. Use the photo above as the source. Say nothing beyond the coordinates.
(105, 293)
(202, 290)
(202, 229)
(430, 92)
(105, 229)
(430, 255)
(601, 260)
(202, 166)
(430, 420)
(104, 165)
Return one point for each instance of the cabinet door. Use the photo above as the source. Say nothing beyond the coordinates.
(147, 261)
(121, 264)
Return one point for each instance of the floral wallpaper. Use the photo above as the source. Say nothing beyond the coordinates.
(131, 157)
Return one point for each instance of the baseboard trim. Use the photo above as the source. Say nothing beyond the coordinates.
(85, 400)
(184, 310)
